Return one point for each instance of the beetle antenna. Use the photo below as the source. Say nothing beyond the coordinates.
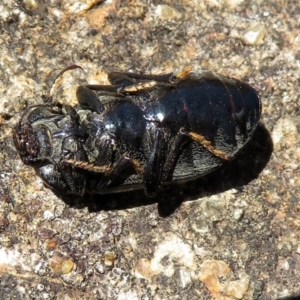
(48, 99)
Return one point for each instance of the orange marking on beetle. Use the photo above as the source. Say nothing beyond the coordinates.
(87, 166)
(207, 144)
(137, 166)
(140, 86)
(184, 73)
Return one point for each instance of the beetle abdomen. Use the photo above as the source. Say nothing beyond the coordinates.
(224, 111)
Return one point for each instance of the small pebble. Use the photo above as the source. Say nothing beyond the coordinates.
(67, 266)
(166, 12)
(55, 264)
(238, 214)
(109, 258)
(51, 245)
(31, 4)
(254, 34)
(40, 287)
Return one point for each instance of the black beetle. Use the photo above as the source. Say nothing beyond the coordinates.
(142, 131)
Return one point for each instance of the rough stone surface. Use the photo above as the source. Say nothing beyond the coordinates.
(233, 235)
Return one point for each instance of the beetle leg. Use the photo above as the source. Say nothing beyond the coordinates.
(121, 83)
(112, 90)
(69, 110)
(207, 144)
(127, 78)
(154, 165)
(133, 83)
(87, 98)
(109, 172)
(124, 162)
(185, 73)
(70, 178)
(171, 160)
(87, 166)
(121, 79)
(181, 139)
(62, 175)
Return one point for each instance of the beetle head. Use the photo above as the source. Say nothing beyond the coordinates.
(26, 142)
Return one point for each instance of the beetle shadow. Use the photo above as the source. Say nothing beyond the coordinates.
(234, 174)
(293, 297)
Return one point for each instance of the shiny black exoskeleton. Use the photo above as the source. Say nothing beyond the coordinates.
(141, 131)
(44, 137)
